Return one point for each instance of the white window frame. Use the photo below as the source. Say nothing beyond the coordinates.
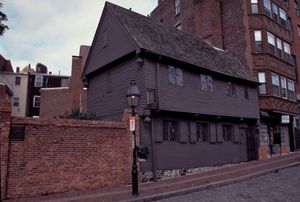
(267, 7)
(282, 16)
(275, 82)
(16, 102)
(286, 48)
(177, 6)
(258, 40)
(284, 92)
(291, 87)
(263, 84)
(254, 4)
(38, 82)
(34, 101)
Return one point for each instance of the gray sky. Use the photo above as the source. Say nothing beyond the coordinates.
(51, 31)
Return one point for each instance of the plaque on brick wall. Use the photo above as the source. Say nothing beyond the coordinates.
(17, 132)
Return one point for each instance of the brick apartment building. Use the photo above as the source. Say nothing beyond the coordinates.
(265, 35)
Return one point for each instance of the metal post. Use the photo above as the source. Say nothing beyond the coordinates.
(134, 171)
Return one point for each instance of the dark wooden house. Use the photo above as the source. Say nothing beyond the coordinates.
(202, 102)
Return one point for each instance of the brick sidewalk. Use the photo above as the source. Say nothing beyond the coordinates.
(181, 185)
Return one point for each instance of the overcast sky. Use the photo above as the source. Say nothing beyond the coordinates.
(51, 31)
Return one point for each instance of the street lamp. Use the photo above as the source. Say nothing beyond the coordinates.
(133, 98)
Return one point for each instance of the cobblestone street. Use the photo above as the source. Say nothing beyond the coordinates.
(283, 186)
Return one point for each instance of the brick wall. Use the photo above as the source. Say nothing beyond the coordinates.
(63, 155)
(55, 103)
(5, 111)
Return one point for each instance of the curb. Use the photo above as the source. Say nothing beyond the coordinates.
(208, 186)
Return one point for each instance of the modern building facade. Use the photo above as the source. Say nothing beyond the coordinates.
(264, 35)
(199, 105)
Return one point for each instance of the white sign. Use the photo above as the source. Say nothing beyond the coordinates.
(285, 119)
(132, 124)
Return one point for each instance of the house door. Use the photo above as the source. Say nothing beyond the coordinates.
(243, 144)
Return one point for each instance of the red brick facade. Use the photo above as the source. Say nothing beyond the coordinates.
(62, 155)
(60, 102)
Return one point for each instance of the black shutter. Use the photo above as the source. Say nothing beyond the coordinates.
(220, 133)
(158, 130)
(184, 131)
(213, 133)
(193, 132)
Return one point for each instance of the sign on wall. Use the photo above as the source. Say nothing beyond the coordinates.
(285, 119)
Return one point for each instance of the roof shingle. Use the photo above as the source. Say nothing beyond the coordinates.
(171, 42)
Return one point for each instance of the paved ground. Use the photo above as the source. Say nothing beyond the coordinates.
(283, 186)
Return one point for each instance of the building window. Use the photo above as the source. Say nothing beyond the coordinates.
(283, 88)
(231, 91)
(282, 16)
(16, 101)
(271, 43)
(289, 27)
(262, 82)
(227, 132)
(296, 5)
(18, 81)
(254, 6)
(267, 7)
(275, 12)
(206, 83)
(275, 84)
(175, 76)
(177, 7)
(170, 131)
(299, 30)
(202, 132)
(286, 51)
(291, 90)
(258, 41)
(279, 47)
(36, 101)
(38, 81)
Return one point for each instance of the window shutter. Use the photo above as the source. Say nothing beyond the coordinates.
(220, 133)
(184, 131)
(236, 134)
(213, 133)
(193, 132)
(158, 130)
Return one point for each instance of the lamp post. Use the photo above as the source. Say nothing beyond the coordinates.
(133, 97)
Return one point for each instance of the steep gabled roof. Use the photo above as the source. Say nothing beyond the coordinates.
(179, 45)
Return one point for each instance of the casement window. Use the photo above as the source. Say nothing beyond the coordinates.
(262, 82)
(206, 83)
(275, 84)
(36, 101)
(267, 7)
(286, 51)
(170, 131)
(38, 81)
(18, 81)
(16, 101)
(279, 47)
(283, 88)
(282, 17)
(177, 7)
(275, 12)
(175, 76)
(258, 41)
(291, 90)
(254, 6)
(296, 5)
(202, 131)
(228, 132)
(231, 91)
(271, 43)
